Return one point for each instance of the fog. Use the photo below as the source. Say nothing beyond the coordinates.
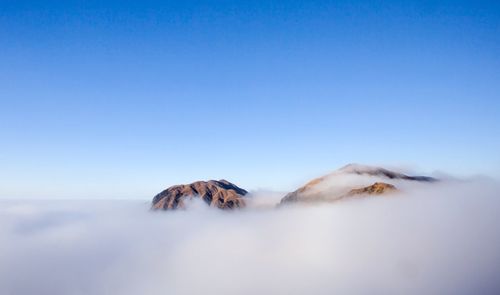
(432, 239)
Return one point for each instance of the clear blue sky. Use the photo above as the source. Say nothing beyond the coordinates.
(123, 98)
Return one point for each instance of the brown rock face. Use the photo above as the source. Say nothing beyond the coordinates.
(216, 193)
(378, 188)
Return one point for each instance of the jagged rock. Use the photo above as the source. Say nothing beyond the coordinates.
(216, 193)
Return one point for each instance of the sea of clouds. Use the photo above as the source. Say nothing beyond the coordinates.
(441, 238)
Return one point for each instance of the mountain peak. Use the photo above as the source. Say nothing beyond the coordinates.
(321, 187)
(216, 193)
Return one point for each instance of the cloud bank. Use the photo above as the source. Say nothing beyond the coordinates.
(440, 239)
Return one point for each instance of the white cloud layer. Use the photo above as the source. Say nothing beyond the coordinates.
(439, 239)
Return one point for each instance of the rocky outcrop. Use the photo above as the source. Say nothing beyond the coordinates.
(216, 193)
(378, 188)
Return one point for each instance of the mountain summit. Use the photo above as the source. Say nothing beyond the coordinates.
(216, 193)
(352, 180)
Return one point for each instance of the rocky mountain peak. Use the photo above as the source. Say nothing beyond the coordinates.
(216, 193)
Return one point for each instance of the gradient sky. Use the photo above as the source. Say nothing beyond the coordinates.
(120, 99)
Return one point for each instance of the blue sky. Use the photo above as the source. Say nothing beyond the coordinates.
(120, 99)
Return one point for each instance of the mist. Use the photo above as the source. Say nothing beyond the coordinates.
(432, 239)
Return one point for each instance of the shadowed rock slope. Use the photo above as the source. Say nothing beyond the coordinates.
(216, 193)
